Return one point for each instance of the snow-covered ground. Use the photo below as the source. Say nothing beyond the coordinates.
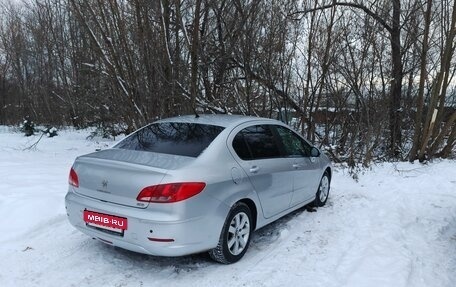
(395, 227)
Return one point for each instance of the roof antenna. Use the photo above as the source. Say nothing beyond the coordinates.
(196, 113)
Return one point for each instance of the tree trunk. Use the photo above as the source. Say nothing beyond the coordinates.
(194, 55)
(423, 73)
(395, 116)
(433, 117)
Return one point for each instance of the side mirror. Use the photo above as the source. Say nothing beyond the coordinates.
(314, 152)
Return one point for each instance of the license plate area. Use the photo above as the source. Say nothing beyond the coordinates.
(105, 222)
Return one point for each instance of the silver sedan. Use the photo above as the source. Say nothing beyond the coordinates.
(195, 183)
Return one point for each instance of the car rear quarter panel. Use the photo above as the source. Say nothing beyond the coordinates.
(226, 182)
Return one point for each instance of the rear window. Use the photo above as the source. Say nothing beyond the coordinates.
(186, 139)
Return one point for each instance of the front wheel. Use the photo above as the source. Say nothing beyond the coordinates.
(235, 238)
(323, 191)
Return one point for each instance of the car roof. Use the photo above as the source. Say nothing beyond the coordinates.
(222, 120)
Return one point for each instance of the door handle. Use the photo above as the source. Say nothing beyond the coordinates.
(297, 165)
(254, 169)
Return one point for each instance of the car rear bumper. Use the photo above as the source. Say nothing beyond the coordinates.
(189, 235)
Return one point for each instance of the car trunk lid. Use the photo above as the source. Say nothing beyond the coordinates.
(118, 176)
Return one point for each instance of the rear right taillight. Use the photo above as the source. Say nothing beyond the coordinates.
(73, 178)
(170, 192)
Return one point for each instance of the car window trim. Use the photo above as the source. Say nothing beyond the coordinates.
(243, 126)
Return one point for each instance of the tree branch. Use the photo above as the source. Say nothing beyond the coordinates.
(270, 85)
(366, 10)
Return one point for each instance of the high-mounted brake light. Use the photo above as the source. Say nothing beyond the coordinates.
(73, 178)
(170, 192)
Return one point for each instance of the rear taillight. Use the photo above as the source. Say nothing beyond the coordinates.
(170, 192)
(73, 178)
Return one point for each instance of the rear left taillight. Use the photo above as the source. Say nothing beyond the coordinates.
(73, 178)
(170, 192)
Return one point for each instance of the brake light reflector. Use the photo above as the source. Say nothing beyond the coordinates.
(170, 192)
(73, 178)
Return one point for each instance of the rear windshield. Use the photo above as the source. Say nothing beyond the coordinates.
(186, 139)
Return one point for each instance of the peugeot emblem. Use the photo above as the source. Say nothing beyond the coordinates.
(104, 183)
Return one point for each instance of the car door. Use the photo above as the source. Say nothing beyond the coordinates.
(261, 158)
(305, 173)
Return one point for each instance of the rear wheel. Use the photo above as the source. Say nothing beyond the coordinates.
(323, 191)
(235, 238)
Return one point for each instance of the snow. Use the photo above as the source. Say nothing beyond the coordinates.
(396, 226)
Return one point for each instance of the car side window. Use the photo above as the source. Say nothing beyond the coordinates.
(240, 147)
(256, 142)
(294, 145)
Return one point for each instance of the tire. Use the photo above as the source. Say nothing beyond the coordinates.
(323, 191)
(235, 237)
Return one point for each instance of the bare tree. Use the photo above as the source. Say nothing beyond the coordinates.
(347, 74)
